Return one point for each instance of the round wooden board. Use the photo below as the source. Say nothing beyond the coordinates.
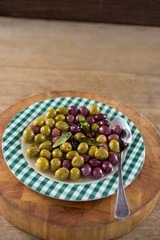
(46, 218)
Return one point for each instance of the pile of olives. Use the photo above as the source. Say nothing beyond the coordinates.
(74, 143)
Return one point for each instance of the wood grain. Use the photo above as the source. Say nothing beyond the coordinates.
(119, 62)
(140, 12)
(31, 211)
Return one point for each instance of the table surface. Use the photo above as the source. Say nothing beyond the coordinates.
(119, 62)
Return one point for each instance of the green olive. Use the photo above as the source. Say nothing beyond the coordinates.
(50, 122)
(51, 113)
(28, 135)
(32, 152)
(101, 154)
(55, 164)
(42, 164)
(62, 126)
(45, 145)
(45, 153)
(39, 138)
(94, 127)
(60, 117)
(39, 122)
(71, 154)
(114, 146)
(75, 174)
(62, 174)
(79, 135)
(45, 130)
(94, 109)
(77, 161)
(66, 147)
(57, 153)
(91, 151)
(101, 138)
(82, 148)
(62, 110)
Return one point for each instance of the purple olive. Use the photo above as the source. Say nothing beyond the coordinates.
(35, 129)
(94, 162)
(55, 132)
(103, 122)
(116, 129)
(113, 158)
(86, 157)
(73, 110)
(100, 117)
(83, 110)
(90, 120)
(107, 166)
(104, 130)
(103, 145)
(75, 128)
(91, 134)
(86, 170)
(66, 164)
(70, 118)
(97, 173)
(113, 136)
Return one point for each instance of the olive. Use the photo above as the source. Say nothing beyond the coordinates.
(50, 122)
(79, 135)
(101, 138)
(34, 128)
(46, 145)
(55, 164)
(42, 164)
(62, 174)
(39, 122)
(114, 146)
(75, 174)
(91, 151)
(62, 110)
(39, 138)
(66, 147)
(94, 127)
(45, 130)
(32, 152)
(62, 126)
(57, 153)
(94, 109)
(60, 117)
(45, 153)
(71, 154)
(77, 161)
(55, 132)
(101, 154)
(28, 135)
(82, 148)
(51, 113)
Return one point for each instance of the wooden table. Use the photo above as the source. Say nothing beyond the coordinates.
(119, 62)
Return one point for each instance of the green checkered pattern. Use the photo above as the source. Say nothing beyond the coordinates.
(43, 184)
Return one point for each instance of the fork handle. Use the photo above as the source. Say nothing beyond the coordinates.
(121, 208)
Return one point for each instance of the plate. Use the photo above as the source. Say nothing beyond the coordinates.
(23, 171)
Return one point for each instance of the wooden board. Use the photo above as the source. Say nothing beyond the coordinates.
(45, 217)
